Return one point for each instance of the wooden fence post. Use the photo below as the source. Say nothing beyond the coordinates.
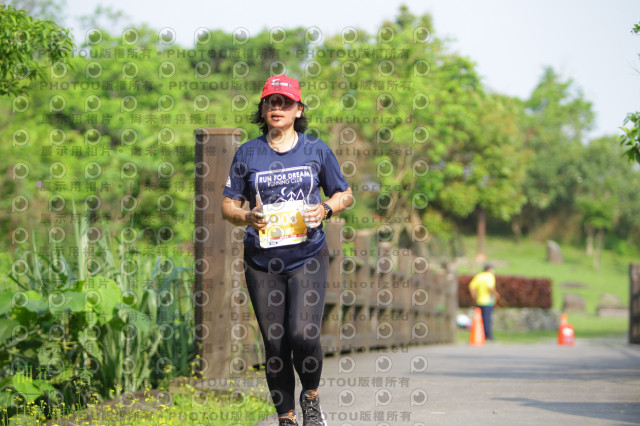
(451, 304)
(634, 303)
(361, 286)
(402, 291)
(332, 317)
(382, 295)
(214, 151)
(423, 300)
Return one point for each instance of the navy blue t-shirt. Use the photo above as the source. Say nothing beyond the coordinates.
(257, 168)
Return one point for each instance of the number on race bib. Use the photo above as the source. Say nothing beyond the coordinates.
(284, 227)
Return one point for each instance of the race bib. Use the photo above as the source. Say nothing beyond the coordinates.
(286, 225)
(282, 194)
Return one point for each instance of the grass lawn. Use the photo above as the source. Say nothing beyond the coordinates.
(528, 259)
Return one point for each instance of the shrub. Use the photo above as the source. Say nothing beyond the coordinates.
(515, 292)
(107, 321)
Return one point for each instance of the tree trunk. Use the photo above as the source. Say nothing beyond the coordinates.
(598, 250)
(516, 227)
(482, 230)
(418, 245)
(589, 241)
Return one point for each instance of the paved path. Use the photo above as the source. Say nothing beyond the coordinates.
(592, 383)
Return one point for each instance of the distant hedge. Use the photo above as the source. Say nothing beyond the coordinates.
(515, 292)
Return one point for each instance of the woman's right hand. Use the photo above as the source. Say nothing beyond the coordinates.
(256, 218)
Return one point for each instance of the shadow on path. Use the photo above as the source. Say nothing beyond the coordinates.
(614, 411)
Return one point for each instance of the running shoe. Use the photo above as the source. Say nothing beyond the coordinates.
(311, 411)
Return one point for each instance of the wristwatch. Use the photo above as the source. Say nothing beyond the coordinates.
(327, 211)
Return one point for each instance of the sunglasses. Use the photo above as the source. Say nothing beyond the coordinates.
(278, 101)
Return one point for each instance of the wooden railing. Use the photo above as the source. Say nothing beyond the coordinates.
(377, 296)
(634, 303)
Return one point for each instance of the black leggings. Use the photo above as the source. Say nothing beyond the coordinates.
(289, 309)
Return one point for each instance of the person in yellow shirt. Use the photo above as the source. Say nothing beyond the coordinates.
(483, 291)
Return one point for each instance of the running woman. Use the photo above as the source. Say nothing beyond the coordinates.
(286, 258)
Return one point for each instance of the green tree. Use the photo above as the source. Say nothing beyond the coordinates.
(376, 93)
(498, 165)
(414, 122)
(556, 119)
(53, 10)
(631, 136)
(603, 199)
(27, 47)
(113, 126)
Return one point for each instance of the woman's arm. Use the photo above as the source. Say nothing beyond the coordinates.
(340, 201)
(233, 212)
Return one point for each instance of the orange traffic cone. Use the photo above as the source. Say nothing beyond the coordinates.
(476, 337)
(566, 335)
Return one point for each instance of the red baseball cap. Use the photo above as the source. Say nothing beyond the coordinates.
(283, 85)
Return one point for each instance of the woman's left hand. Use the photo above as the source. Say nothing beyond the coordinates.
(313, 215)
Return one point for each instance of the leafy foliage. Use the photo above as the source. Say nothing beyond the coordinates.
(631, 136)
(67, 331)
(422, 142)
(28, 48)
(556, 118)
